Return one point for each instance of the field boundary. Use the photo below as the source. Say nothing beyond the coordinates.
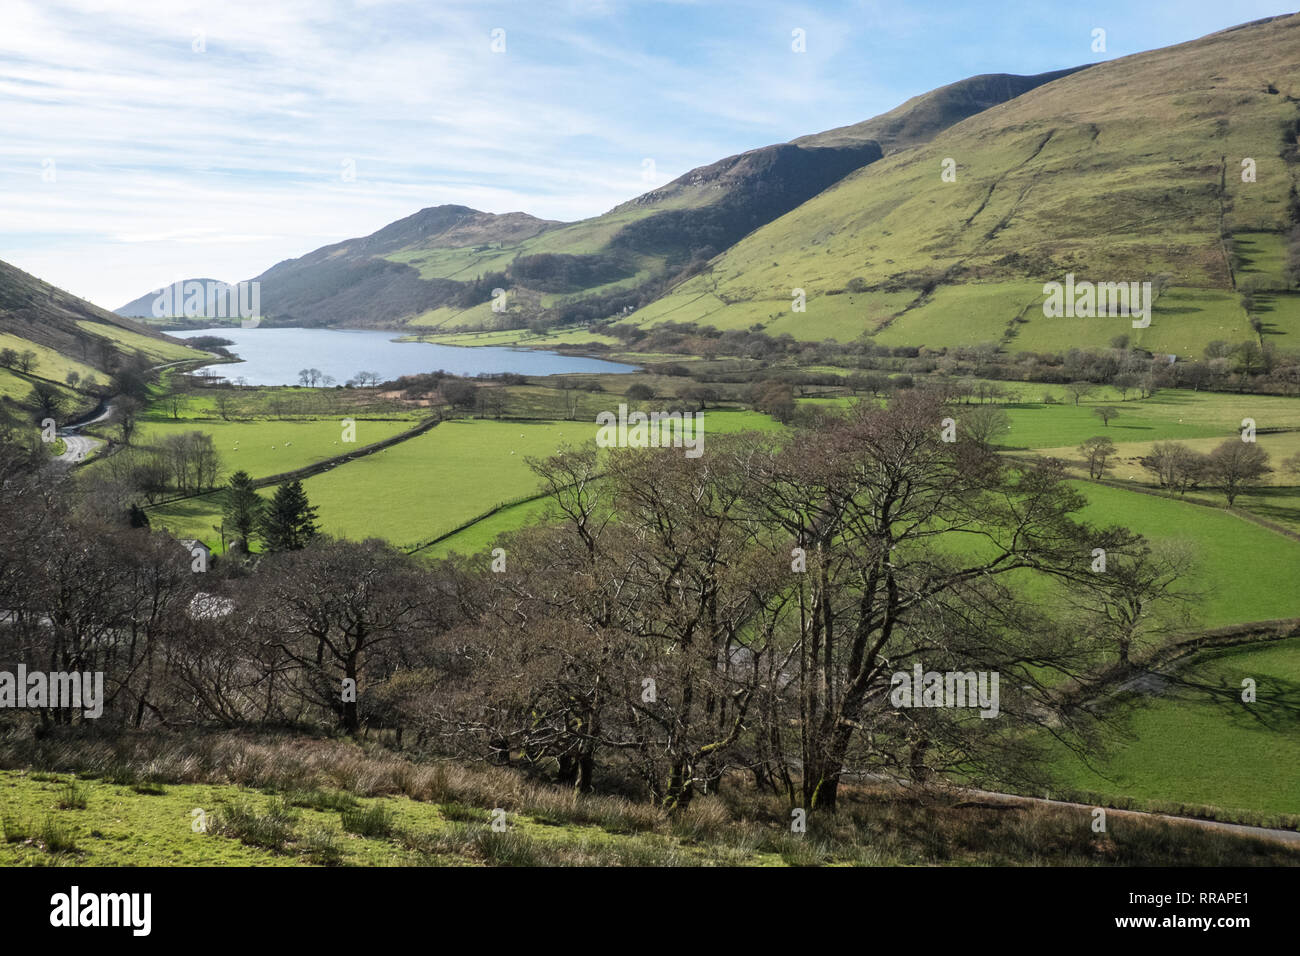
(1110, 681)
(1171, 496)
(319, 467)
(476, 519)
(502, 506)
(328, 464)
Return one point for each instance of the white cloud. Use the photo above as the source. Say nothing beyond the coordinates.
(221, 162)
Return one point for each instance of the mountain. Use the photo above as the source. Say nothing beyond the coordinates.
(1177, 166)
(392, 275)
(143, 307)
(923, 117)
(437, 269)
(66, 334)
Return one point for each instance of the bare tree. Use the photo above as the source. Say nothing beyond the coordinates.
(864, 502)
(1175, 465)
(1106, 413)
(1097, 452)
(224, 402)
(1080, 390)
(330, 606)
(1236, 465)
(1142, 595)
(986, 425)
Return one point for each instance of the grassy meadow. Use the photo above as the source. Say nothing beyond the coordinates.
(1196, 743)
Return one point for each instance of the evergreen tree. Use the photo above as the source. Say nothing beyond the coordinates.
(244, 506)
(137, 518)
(289, 521)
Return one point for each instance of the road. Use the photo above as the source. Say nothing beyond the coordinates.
(77, 447)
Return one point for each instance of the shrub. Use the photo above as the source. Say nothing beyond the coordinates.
(56, 837)
(322, 845)
(640, 393)
(270, 830)
(72, 797)
(372, 821)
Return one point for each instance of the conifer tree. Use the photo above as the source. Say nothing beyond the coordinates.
(289, 521)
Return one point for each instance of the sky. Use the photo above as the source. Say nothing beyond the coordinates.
(143, 142)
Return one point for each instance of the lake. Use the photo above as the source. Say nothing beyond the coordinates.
(275, 356)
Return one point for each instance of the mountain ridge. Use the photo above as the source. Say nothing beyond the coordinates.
(437, 268)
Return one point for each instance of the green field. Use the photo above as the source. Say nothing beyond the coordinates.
(1246, 572)
(1280, 314)
(1196, 742)
(480, 536)
(264, 448)
(1261, 259)
(426, 486)
(964, 315)
(1167, 415)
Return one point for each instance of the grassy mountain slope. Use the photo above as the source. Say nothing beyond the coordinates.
(51, 338)
(1129, 170)
(70, 334)
(437, 268)
(923, 117)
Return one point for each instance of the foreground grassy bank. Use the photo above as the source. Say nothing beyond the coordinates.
(230, 799)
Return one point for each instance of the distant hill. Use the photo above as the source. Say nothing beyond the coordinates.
(376, 280)
(143, 307)
(1177, 166)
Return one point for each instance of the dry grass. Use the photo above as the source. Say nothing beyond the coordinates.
(875, 825)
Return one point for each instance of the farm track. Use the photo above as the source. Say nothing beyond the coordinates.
(1275, 834)
(1012, 800)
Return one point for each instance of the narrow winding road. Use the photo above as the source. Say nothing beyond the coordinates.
(77, 447)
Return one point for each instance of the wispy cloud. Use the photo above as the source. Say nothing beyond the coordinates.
(139, 142)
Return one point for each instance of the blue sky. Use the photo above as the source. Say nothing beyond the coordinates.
(144, 142)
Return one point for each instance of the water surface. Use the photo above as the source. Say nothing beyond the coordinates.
(276, 356)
